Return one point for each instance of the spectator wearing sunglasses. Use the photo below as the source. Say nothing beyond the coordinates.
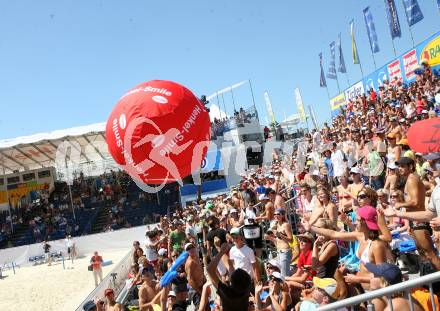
(278, 296)
(371, 232)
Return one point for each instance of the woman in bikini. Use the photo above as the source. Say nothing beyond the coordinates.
(371, 232)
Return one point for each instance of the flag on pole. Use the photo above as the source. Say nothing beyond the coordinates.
(322, 82)
(393, 19)
(312, 113)
(341, 67)
(412, 11)
(332, 66)
(269, 107)
(300, 105)
(371, 30)
(354, 50)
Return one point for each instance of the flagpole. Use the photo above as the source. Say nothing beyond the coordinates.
(224, 105)
(233, 99)
(253, 98)
(348, 80)
(394, 47)
(328, 95)
(360, 66)
(337, 82)
(412, 37)
(218, 104)
(374, 60)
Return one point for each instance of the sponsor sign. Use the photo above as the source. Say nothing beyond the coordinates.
(410, 64)
(394, 70)
(337, 101)
(354, 91)
(431, 52)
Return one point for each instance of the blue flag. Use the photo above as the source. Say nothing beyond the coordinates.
(341, 67)
(412, 11)
(438, 3)
(371, 30)
(393, 19)
(332, 66)
(322, 82)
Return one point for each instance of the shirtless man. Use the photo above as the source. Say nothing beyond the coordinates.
(112, 305)
(282, 235)
(194, 274)
(415, 201)
(268, 206)
(149, 292)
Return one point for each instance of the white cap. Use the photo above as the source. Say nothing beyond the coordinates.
(262, 197)
(274, 263)
(235, 231)
(187, 245)
(233, 211)
(424, 111)
(277, 275)
(162, 251)
(355, 170)
(392, 166)
(171, 293)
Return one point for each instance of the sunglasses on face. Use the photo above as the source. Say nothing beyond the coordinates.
(277, 214)
(394, 196)
(362, 196)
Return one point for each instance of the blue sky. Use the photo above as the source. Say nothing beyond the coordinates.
(66, 63)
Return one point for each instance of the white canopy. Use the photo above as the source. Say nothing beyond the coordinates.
(86, 143)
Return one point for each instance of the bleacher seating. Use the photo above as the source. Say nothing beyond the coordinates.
(94, 212)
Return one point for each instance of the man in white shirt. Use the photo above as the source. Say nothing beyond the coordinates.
(338, 161)
(190, 230)
(243, 257)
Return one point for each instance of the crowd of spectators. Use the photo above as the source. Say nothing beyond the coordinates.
(50, 216)
(239, 119)
(352, 209)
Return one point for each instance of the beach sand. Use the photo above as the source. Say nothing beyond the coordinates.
(46, 288)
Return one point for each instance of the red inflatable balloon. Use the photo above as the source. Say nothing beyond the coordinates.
(158, 132)
(424, 136)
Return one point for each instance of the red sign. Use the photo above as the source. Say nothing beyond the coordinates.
(410, 64)
(394, 70)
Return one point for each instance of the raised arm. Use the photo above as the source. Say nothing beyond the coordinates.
(336, 235)
(212, 267)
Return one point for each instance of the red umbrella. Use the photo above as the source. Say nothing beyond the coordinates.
(159, 132)
(424, 136)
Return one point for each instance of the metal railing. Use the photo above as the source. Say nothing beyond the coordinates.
(115, 280)
(388, 292)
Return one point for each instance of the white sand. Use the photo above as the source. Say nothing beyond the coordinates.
(51, 288)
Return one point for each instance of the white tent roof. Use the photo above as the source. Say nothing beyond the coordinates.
(40, 150)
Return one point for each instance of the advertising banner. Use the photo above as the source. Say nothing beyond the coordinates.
(394, 70)
(376, 78)
(429, 51)
(410, 64)
(354, 91)
(336, 103)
